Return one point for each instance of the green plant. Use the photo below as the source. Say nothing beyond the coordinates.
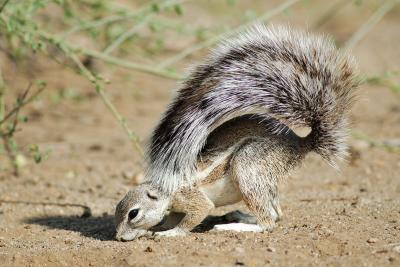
(25, 31)
(9, 120)
(27, 27)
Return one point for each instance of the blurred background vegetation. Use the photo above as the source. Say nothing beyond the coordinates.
(96, 39)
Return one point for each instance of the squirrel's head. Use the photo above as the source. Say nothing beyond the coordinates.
(142, 208)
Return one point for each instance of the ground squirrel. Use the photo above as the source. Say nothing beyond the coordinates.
(226, 137)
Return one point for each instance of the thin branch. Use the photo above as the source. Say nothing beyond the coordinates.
(99, 89)
(3, 5)
(389, 147)
(369, 24)
(126, 35)
(190, 50)
(135, 28)
(383, 80)
(110, 59)
(330, 13)
(107, 20)
(2, 94)
(128, 64)
(144, 10)
(7, 135)
(11, 155)
(22, 102)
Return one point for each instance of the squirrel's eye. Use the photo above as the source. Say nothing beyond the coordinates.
(132, 214)
(151, 196)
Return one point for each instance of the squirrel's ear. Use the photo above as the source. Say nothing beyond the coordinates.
(151, 195)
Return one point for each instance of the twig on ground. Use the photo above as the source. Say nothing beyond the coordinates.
(87, 212)
(352, 199)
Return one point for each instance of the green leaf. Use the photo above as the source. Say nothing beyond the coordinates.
(155, 7)
(250, 14)
(358, 2)
(37, 157)
(178, 9)
(231, 2)
(23, 118)
(13, 144)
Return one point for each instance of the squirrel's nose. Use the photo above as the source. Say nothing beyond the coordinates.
(121, 238)
(122, 235)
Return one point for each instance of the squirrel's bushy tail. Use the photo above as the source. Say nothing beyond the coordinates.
(298, 78)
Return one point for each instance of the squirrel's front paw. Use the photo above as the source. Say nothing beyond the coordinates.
(172, 232)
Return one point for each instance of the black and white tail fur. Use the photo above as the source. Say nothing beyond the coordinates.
(296, 77)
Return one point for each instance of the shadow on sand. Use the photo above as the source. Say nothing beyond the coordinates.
(100, 228)
(103, 228)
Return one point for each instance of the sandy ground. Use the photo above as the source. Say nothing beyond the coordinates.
(345, 218)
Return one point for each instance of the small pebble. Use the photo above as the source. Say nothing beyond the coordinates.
(396, 249)
(127, 175)
(138, 178)
(270, 249)
(372, 240)
(95, 147)
(239, 263)
(148, 249)
(239, 250)
(360, 145)
(70, 175)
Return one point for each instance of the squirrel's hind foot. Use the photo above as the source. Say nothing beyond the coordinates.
(171, 233)
(239, 227)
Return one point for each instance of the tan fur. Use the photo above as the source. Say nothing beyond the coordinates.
(194, 203)
(232, 180)
(216, 173)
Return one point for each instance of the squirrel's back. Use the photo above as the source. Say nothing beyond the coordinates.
(296, 77)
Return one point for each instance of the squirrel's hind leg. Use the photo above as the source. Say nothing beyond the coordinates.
(252, 170)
